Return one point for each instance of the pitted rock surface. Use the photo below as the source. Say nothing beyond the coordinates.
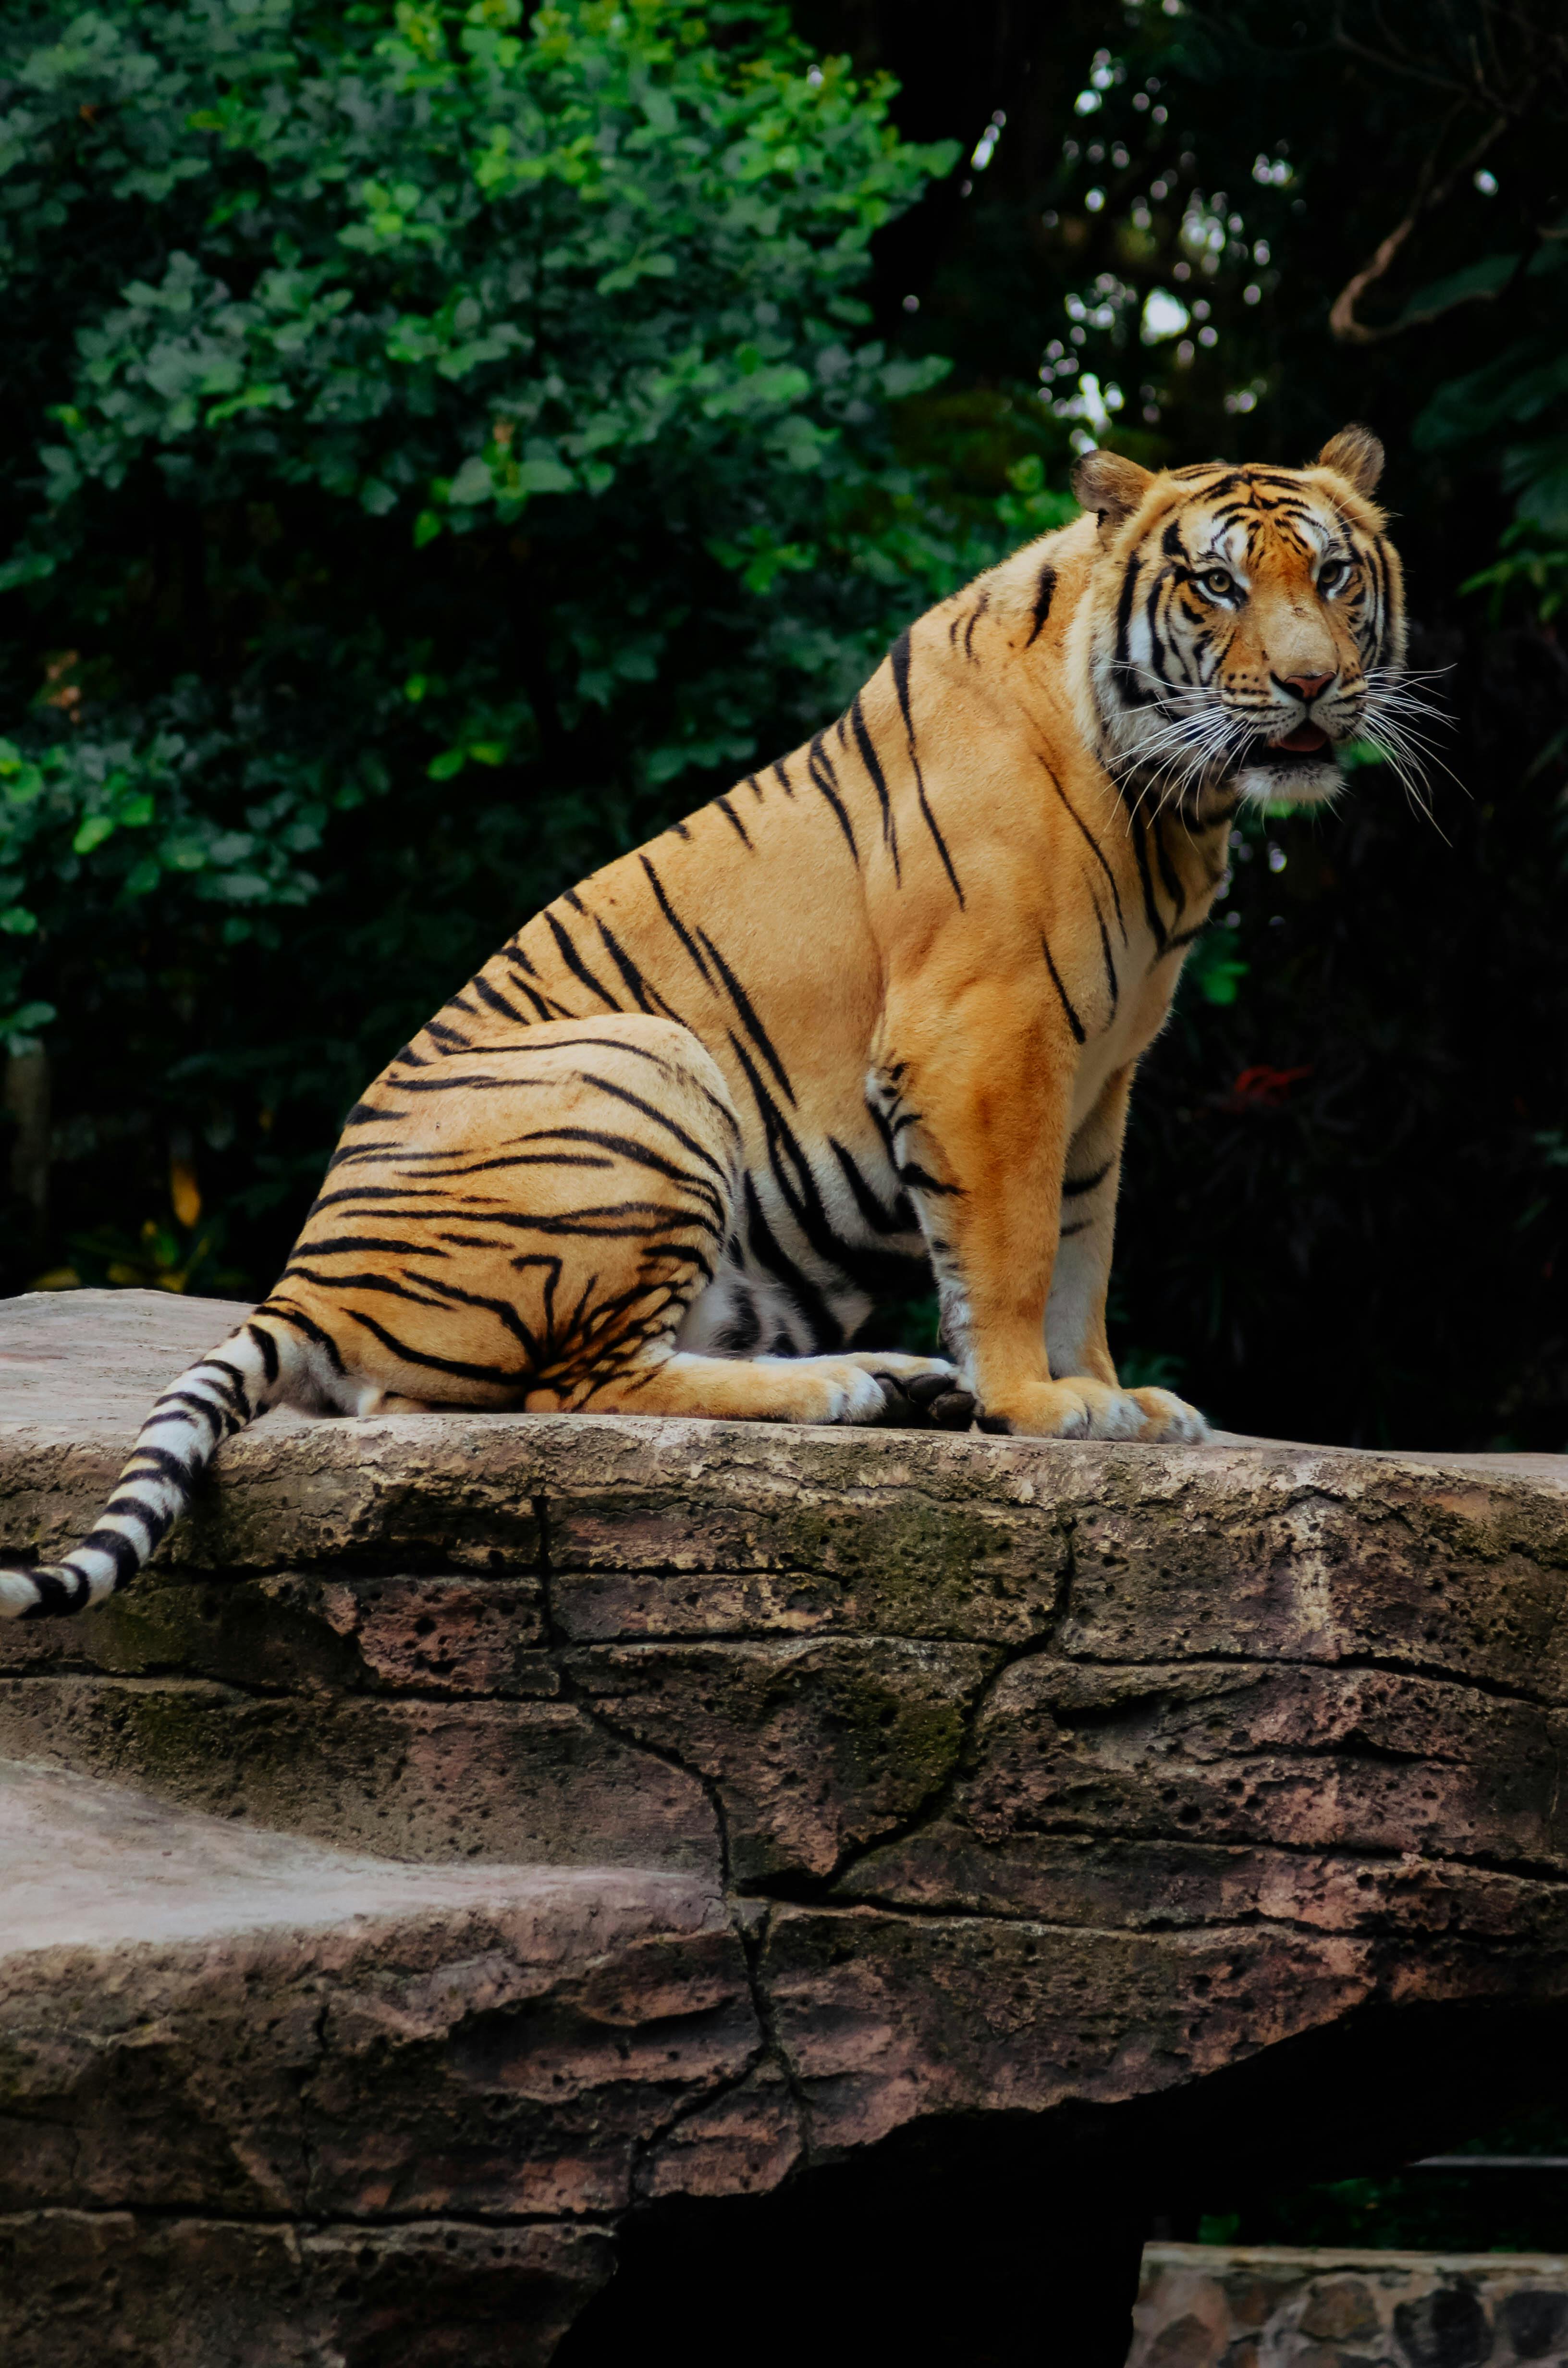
(507, 1824)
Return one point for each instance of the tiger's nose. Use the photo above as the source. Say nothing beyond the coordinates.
(1306, 685)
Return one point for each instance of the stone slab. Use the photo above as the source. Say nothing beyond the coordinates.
(138, 2292)
(201, 2019)
(533, 1821)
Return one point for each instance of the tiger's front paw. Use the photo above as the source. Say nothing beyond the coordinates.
(1043, 1410)
(1170, 1418)
(1083, 1408)
(1152, 1416)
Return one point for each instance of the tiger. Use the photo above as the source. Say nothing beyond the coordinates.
(868, 1021)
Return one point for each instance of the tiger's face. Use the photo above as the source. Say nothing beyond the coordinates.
(1243, 623)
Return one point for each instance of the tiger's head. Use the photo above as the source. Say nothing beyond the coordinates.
(1243, 624)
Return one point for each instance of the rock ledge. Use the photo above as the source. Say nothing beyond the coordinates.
(479, 1835)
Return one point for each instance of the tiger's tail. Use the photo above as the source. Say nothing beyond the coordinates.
(262, 1363)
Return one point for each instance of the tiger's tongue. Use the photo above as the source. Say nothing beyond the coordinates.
(1305, 739)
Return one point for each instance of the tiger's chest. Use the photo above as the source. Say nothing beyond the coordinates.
(1119, 990)
(1147, 986)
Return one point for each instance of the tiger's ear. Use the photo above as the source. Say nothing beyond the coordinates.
(1112, 486)
(1355, 455)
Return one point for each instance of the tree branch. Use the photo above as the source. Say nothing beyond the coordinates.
(1430, 193)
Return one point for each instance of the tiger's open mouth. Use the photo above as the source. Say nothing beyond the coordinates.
(1308, 745)
(1307, 740)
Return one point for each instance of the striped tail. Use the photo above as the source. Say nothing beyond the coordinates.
(257, 1366)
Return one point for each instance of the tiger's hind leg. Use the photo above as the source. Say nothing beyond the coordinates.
(517, 1221)
(854, 1388)
(527, 1223)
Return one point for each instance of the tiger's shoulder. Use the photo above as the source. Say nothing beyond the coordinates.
(1018, 610)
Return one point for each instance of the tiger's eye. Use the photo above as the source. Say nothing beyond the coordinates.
(1218, 581)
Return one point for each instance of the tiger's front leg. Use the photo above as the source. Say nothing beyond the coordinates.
(979, 1098)
(1076, 1347)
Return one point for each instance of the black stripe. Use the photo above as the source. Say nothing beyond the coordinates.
(1043, 591)
(640, 1155)
(919, 1180)
(736, 824)
(874, 765)
(899, 658)
(1093, 846)
(58, 1593)
(743, 1331)
(1151, 910)
(469, 1080)
(542, 1004)
(504, 1312)
(627, 967)
(496, 1376)
(900, 1219)
(818, 764)
(268, 1348)
(1111, 977)
(387, 1284)
(155, 1525)
(156, 1459)
(1073, 1021)
(486, 994)
(688, 1142)
(237, 1380)
(126, 1556)
(1169, 873)
(285, 1313)
(182, 1405)
(1076, 1185)
(667, 910)
(576, 963)
(881, 1273)
(826, 1330)
(749, 1020)
(1131, 689)
(366, 1244)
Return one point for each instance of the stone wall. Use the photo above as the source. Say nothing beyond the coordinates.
(1203, 2307)
(1014, 1803)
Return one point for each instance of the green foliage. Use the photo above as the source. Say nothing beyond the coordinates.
(443, 445)
(1214, 970)
(1523, 388)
